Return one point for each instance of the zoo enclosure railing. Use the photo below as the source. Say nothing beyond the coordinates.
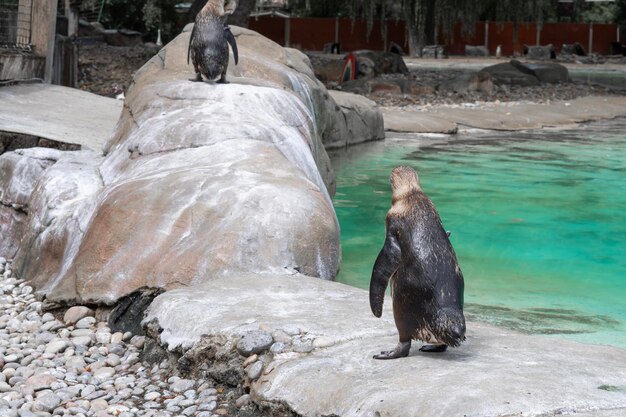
(16, 23)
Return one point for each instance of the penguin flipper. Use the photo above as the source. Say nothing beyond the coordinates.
(230, 38)
(385, 266)
(193, 33)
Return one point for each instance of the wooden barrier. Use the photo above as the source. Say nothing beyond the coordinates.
(314, 33)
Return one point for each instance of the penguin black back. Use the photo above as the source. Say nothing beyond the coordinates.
(208, 43)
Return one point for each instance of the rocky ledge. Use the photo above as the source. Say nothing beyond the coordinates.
(304, 346)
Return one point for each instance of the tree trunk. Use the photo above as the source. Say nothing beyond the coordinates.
(242, 13)
(429, 22)
(412, 35)
(239, 18)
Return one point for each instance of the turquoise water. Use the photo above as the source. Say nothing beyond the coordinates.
(538, 222)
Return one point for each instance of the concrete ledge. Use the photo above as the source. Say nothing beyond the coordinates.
(495, 373)
(507, 116)
(58, 113)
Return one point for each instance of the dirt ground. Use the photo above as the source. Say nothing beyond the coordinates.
(107, 70)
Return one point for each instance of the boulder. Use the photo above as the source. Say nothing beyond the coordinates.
(477, 81)
(19, 173)
(573, 49)
(327, 67)
(508, 74)
(434, 51)
(199, 180)
(546, 72)
(380, 62)
(363, 120)
(540, 52)
(476, 50)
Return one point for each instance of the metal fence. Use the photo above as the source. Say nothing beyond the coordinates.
(15, 23)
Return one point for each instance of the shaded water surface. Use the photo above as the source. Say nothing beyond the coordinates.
(538, 222)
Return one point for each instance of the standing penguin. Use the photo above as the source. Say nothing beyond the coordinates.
(208, 43)
(426, 281)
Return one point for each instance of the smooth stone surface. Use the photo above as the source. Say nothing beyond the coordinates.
(496, 372)
(417, 122)
(77, 313)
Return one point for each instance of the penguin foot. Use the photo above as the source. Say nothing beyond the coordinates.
(401, 351)
(197, 79)
(433, 348)
(222, 80)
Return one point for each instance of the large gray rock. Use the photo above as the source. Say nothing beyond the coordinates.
(508, 74)
(199, 180)
(19, 172)
(496, 372)
(547, 72)
(363, 121)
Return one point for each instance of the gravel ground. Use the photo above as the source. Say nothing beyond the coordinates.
(544, 93)
(71, 364)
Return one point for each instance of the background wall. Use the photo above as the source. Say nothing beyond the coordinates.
(314, 33)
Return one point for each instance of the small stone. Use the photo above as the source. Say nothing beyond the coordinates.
(189, 411)
(103, 337)
(302, 346)
(291, 329)
(323, 342)
(47, 402)
(4, 387)
(82, 341)
(254, 342)
(250, 359)
(255, 370)
(182, 385)
(98, 404)
(243, 400)
(277, 347)
(47, 317)
(56, 346)
(151, 396)
(104, 373)
(116, 338)
(138, 341)
(11, 358)
(282, 337)
(221, 411)
(74, 314)
(40, 381)
(85, 323)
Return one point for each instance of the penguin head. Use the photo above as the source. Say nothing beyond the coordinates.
(220, 7)
(404, 180)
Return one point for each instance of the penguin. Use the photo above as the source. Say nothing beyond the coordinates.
(209, 40)
(426, 280)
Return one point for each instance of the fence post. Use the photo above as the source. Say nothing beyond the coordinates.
(590, 37)
(487, 34)
(337, 29)
(288, 32)
(42, 32)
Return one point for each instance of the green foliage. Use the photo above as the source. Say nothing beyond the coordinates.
(620, 14)
(146, 16)
(599, 13)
